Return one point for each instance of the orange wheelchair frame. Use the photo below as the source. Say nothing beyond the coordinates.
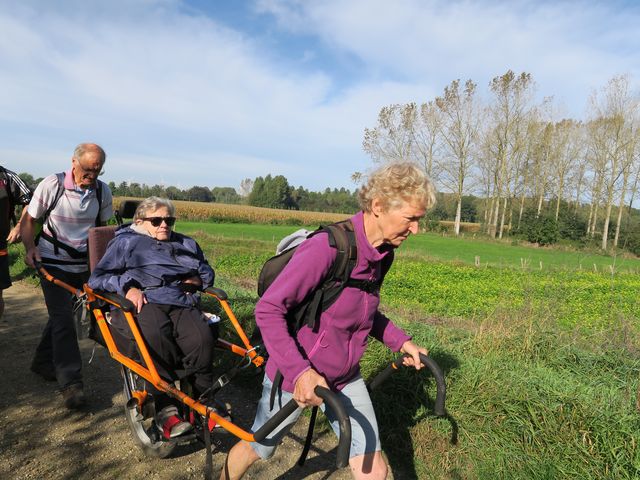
(97, 300)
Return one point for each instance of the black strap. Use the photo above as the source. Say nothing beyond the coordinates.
(364, 285)
(275, 388)
(55, 261)
(57, 244)
(208, 469)
(307, 441)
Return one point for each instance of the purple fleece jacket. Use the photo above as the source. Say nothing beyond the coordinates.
(336, 349)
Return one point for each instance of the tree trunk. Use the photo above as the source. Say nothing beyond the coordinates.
(504, 209)
(605, 227)
(458, 214)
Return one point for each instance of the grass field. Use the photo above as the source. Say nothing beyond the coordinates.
(541, 364)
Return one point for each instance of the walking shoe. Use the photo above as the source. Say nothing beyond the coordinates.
(48, 373)
(170, 424)
(73, 397)
(221, 410)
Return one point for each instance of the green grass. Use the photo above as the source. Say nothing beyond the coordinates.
(502, 254)
(436, 247)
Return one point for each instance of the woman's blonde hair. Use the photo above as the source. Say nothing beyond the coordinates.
(153, 203)
(397, 182)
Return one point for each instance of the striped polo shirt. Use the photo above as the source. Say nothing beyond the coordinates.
(72, 217)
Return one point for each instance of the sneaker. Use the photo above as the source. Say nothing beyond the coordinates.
(219, 409)
(170, 424)
(73, 397)
(48, 373)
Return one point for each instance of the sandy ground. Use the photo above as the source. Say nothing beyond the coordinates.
(40, 439)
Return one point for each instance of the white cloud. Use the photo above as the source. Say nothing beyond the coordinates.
(173, 94)
(569, 47)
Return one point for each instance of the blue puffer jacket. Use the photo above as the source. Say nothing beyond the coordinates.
(156, 267)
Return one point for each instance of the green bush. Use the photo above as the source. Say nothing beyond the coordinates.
(538, 229)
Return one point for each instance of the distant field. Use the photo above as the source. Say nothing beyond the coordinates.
(434, 246)
(222, 212)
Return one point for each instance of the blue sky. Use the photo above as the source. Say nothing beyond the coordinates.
(209, 92)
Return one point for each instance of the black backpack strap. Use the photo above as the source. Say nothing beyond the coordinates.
(99, 197)
(275, 388)
(307, 441)
(47, 213)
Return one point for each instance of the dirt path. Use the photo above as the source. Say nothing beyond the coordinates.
(40, 439)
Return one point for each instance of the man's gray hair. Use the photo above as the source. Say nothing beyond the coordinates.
(89, 147)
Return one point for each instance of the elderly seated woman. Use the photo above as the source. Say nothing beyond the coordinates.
(161, 272)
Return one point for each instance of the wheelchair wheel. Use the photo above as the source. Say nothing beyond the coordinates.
(145, 433)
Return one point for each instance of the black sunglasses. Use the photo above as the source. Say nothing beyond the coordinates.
(157, 221)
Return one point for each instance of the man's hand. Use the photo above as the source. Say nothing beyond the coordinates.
(303, 392)
(136, 297)
(414, 351)
(14, 235)
(32, 256)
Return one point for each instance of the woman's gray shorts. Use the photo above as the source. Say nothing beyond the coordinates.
(356, 401)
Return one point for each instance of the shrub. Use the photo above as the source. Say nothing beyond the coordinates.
(539, 229)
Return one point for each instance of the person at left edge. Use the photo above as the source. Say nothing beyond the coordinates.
(68, 204)
(13, 191)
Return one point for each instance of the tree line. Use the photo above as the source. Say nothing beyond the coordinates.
(523, 160)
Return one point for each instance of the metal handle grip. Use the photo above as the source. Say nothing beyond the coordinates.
(441, 389)
(332, 400)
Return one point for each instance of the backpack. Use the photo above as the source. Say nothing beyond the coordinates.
(343, 239)
(53, 238)
(12, 207)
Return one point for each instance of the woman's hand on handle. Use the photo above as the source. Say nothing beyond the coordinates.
(303, 392)
(414, 351)
(136, 296)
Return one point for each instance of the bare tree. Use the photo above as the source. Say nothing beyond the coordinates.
(459, 129)
(392, 138)
(613, 112)
(246, 186)
(509, 109)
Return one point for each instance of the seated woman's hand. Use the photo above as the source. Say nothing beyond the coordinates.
(195, 280)
(191, 284)
(136, 296)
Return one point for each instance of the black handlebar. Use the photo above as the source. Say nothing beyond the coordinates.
(441, 389)
(332, 400)
(118, 300)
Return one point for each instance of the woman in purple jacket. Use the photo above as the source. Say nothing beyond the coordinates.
(161, 271)
(394, 199)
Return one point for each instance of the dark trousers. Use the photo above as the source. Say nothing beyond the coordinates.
(179, 341)
(58, 349)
